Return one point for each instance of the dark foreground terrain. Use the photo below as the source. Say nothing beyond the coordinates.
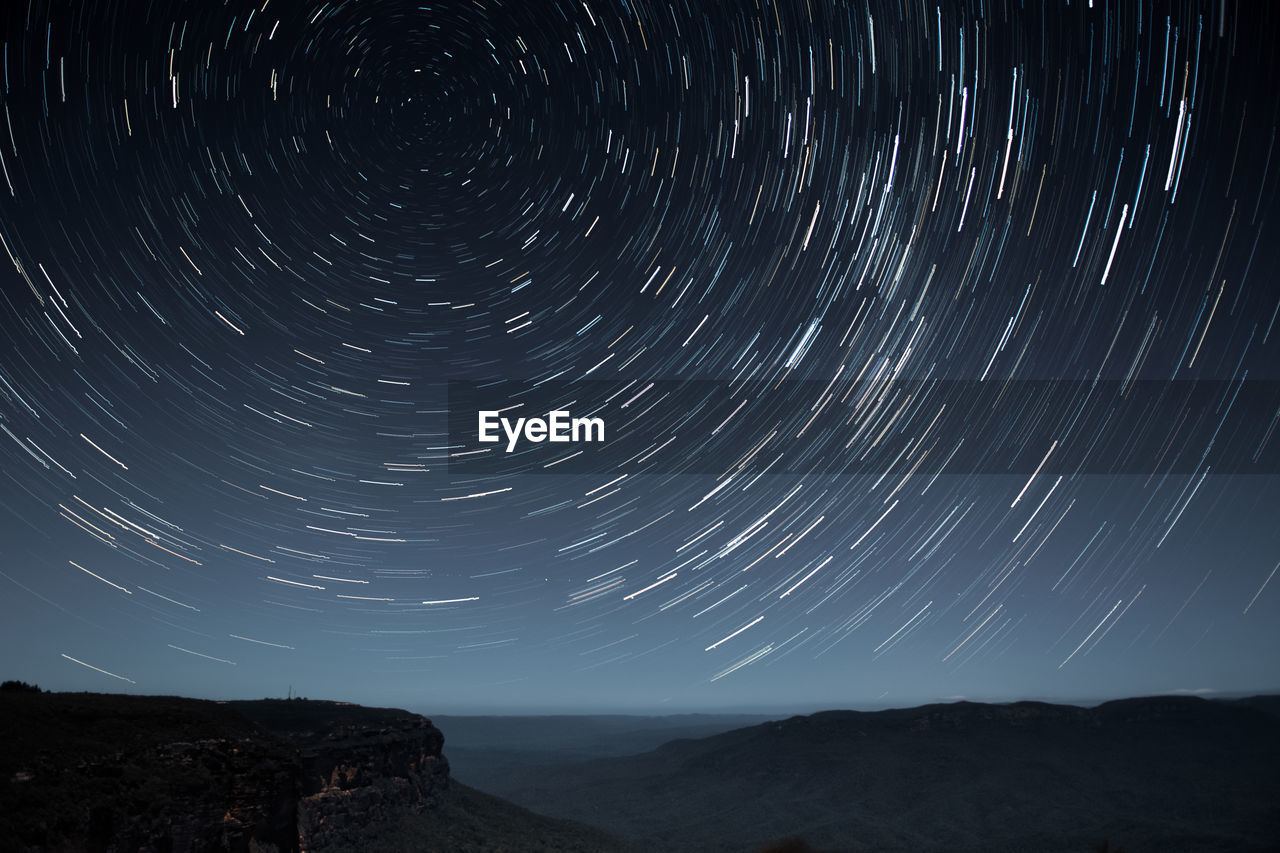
(1156, 774)
(94, 772)
(98, 772)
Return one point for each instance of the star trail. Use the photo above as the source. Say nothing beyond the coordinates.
(934, 348)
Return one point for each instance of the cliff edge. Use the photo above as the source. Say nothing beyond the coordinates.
(358, 767)
(100, 772)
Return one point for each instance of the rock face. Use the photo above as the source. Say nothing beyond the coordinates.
(129, 773)
(358, 767)
(356, 779)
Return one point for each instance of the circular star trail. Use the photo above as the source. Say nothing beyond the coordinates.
(972, 249)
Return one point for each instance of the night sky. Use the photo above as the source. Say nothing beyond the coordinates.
(926, 261)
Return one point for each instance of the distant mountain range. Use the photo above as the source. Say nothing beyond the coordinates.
(1153, 774)
(480, 747)
(101, 772)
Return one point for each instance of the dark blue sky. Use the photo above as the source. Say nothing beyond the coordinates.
(249, 246)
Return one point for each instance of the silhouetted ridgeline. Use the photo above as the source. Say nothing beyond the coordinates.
(94, 772)
(1156, 774)
(99, 772)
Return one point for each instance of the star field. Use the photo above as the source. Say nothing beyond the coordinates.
(249, 245)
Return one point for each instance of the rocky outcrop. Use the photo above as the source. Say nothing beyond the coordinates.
(358, 767)
(130, 773)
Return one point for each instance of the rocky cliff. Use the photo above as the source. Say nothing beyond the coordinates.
(130, 773)
(358, 767)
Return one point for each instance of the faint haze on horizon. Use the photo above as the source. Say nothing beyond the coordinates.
(782, 708)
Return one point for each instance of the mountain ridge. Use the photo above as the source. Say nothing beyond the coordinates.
(1149, 773)
(120, 772)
